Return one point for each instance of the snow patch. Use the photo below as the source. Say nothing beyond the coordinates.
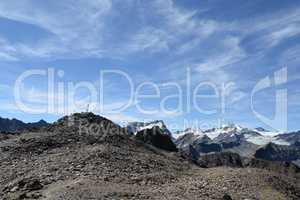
(264, 140)
(197, 133)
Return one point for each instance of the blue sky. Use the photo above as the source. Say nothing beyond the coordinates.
(157, 41)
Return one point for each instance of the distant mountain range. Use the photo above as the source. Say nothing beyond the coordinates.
(14, 125)
(249, 143)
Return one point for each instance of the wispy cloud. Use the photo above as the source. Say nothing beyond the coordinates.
(76, 26)
(148, 38)
(291, 54)
(7, 51)
(287, 32)
(272, 29)
(80, 29)
(63, 22)
(182, 21)
(232, 53)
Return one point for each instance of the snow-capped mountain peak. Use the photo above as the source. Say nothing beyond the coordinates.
(264, 137)
(194, 132)
(150, 125)
(135, 127)
(230, 129)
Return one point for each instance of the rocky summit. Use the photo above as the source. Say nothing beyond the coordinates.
(85, 156)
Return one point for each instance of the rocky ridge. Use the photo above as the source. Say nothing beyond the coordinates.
(14, 125)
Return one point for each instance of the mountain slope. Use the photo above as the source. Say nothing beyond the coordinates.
(85, 156)
(292, 138)
(13, 125)
(278, 153)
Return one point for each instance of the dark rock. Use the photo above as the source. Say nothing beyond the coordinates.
(275, 166)
(226, 197)
(157, 138)
(26, 184)
(14, 125)
(276, 152)
(220, 159)
(293, 138)
(208, 147)
(190, 153)
(33, 185)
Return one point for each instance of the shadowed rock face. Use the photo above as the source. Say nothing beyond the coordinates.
(190, 153)
(220, 159)
(157, 138)
(276, 166)
(230, 159)
(208, 147)
(275, 152)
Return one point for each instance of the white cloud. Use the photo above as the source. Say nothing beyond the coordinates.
(69, 20)
(268, 31)
(181, 21)
(148, 38)
(7, 52)
(274, 21)
(231, 53)
(276, 36)
(76, 26)
(271, 29)
(83, 28)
